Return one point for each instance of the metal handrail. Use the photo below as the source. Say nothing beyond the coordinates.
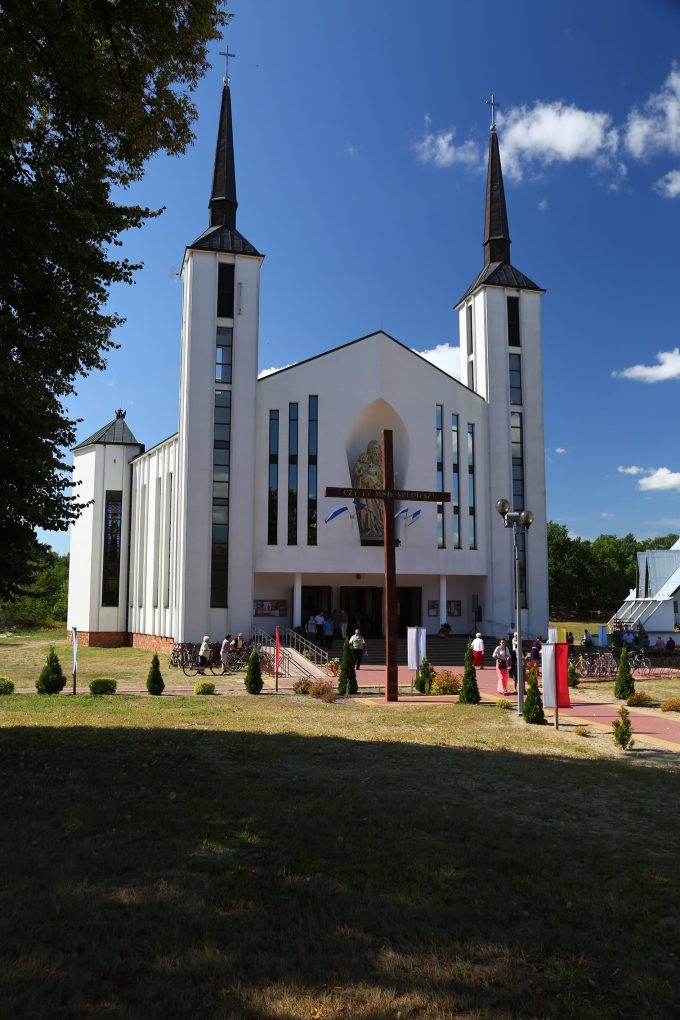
(302, 644)
(287, 665)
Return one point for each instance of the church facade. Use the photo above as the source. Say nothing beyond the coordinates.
(224, 526)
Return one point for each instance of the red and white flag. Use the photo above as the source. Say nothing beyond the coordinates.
(277, 653)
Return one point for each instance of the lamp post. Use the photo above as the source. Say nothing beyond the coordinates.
(520, 521)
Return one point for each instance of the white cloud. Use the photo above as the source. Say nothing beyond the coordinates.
(657, 127)
(439, 148)
(560, 449)
(669, 185)
(270, 371)
(543, 204)
(555, 132)
(444, 356)
(668, 368)
(352, 150)
(605, 514)
(661, 479)
(632, 470)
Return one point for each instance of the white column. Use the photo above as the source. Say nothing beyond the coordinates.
(297, 601)
(442, 599)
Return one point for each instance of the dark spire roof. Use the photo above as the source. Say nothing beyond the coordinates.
(497, 271)
(116, 433)
(222, 234)
(496, 230)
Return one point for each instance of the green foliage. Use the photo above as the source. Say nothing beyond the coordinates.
(333, 666)
(624, 685)
(103, 685)
(302, 685)
(670, 705)
(43, 598)
(581, 731)
(469, 691)
(424, 677)
(90, 93)
(6, 685)
(253, 678)
(588, 578)
(504, 704)
(51, 679)
(154, 681)
(532, 710)
(204, 687)
(639, 699)
(446, 682)
(573, 679)
(347, 677)
(623, 731)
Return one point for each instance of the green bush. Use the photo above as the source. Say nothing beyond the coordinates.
(204, 687)
(639, 699)
(424, 677)
(253, 679)
(154, 681)
(573, 679)
(624, 685)
(623, 731)
(532, 710)
(51, 679)
(504, 704)
(347, 677)
(333, 666)
(103, 685)
(469, 691)
(446, 682)
(302, 685)
(671, 705)
(6, 685)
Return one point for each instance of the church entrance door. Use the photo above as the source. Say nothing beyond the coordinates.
(315, 600)
(409, 609)
(364, 607)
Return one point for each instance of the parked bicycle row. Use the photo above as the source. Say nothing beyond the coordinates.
(605, 664)
(229, 656)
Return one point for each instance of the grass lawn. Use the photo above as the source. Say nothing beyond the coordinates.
(275, 857)
(659, 687)
(577, 627)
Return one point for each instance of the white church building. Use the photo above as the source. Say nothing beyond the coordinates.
(221, 527)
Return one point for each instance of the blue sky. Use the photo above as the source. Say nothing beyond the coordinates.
(361, 133)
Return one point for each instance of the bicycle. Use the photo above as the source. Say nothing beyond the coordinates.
(639, 661)
(193, 667)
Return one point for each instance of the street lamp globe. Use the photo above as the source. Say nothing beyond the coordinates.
(527, 518)
(502, 506)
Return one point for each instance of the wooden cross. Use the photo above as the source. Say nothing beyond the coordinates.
(387, 495)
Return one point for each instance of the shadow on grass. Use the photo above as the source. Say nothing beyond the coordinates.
(172, 873)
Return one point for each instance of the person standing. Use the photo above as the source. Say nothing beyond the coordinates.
(587, 640)
(328, 631)
(570, 644)
(343, 620)
(311, 628)
(204, 654)
(478, 652)
(357, 644)
(319, 620)
(501, 654)
(224, 652)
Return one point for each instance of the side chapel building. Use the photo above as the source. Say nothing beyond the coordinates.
(221, 526)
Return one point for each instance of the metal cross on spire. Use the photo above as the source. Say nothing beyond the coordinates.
(494, 105)
(226, 54)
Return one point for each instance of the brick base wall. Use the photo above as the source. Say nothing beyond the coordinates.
(101, 638)
(152, 642)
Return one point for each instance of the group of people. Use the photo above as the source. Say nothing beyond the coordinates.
(505, 659)
(322, 627)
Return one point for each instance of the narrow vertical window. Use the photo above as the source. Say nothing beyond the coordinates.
(439, 449)
(225, 290)
(515, 379)
(223, 354)
(168, 541)
(292, 473)
(455, 481)
(113, 518)
(220, 502)
(517, 446)
(472, 522)
(312, 467)
(273, 513)
(157, 543)
(514, 338)
(470, 335)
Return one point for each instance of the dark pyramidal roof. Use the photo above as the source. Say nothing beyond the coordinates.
(116, 433)
(497, 271)
(222, 234)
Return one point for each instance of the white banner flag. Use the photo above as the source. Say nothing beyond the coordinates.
(416, 643)
(74, 632)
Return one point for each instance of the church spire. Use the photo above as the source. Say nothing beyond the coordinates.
(223, 202)
(496, 231)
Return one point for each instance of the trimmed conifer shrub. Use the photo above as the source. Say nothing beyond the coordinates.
(623, 731)
(532, 710)
(253, 679)
(347, 675)
(573, 679)
(624, 685)
(51, 679)
(6, 685)
(103, 685)
(469, 691)
(154, 681)
(424, 677)
(204, 687)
